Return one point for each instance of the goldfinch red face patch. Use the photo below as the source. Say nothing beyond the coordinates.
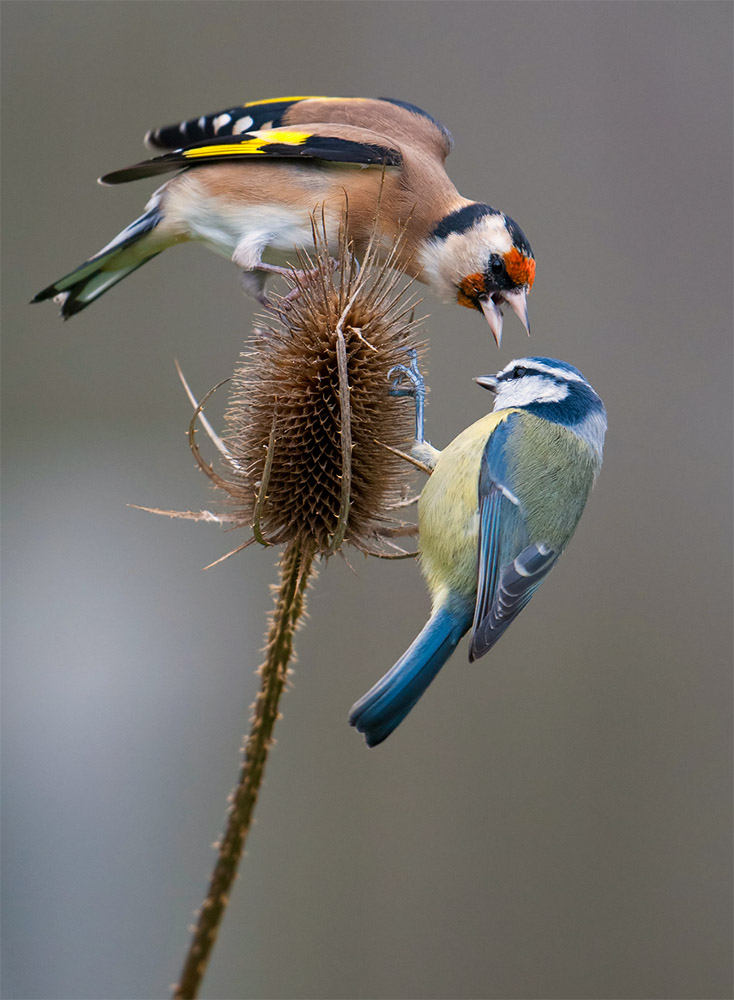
(520, 269)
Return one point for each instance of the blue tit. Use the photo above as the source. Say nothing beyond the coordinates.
(249, 179)
(501, 505)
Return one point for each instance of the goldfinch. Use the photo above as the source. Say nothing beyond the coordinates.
(250, 177)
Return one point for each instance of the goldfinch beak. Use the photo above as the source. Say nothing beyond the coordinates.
(487, 382)
(517, 300)
(494, 317)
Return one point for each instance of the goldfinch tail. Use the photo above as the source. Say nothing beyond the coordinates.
(126, 253)
(385, 705)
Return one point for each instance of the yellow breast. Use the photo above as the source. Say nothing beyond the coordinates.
(448, 511)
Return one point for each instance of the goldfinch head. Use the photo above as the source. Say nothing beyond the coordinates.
(480, 258)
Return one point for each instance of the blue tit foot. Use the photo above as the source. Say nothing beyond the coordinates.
(417, 388)
(412, 373)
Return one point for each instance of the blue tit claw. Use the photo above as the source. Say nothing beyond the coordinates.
(411, 372)
(416, 388)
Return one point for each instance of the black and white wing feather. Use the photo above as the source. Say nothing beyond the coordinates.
(394, 118)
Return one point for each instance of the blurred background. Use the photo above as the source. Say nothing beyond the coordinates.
(553, 821)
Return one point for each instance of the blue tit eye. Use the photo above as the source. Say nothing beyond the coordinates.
(518, 372)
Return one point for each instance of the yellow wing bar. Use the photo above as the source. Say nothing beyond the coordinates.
(280, 144)
(258, 144)
(289, 100)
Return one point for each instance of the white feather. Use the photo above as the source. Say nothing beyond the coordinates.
(446, 261)
(538, 366)
(529, 389)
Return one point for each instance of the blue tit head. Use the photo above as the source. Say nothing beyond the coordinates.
(552, 390)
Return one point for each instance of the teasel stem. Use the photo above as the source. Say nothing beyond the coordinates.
(296, 571)
(345, 434)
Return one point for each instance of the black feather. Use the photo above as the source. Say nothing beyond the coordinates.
(317, 147)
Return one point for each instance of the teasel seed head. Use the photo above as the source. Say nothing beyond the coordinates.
(309, 416)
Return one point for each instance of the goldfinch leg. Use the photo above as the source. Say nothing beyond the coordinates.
(291, 273)
(253, 284)
(266, 269)
(254, 273)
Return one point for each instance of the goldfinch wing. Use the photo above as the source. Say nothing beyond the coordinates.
(510, 568)
(339, 144)
(398, 120)
(249, 117)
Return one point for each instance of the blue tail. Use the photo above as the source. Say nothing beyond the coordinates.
(385, 705)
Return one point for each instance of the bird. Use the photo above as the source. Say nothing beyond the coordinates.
(500, 506)
(250, 178)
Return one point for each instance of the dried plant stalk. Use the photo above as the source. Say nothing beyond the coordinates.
(296, 570)
(310, 461)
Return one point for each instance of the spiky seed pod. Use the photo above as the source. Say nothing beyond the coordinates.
(310, 414)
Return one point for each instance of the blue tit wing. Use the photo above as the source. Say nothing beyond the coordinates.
(289, 144)
(511, 568)
(517, 583)
(390, 117)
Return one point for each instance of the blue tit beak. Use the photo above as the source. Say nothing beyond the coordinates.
(487, 382)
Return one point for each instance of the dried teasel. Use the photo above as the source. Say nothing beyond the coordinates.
(311, 431)
(310, 460)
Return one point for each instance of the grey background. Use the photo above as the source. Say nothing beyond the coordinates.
(552, 822)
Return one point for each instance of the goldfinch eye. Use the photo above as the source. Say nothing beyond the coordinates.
(496, 265)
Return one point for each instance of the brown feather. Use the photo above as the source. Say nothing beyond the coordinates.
(398, 124)
(420, 191)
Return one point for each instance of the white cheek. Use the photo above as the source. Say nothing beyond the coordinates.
(530, 389)
(446, 262)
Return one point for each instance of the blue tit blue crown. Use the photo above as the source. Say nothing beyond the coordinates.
(552, 390)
